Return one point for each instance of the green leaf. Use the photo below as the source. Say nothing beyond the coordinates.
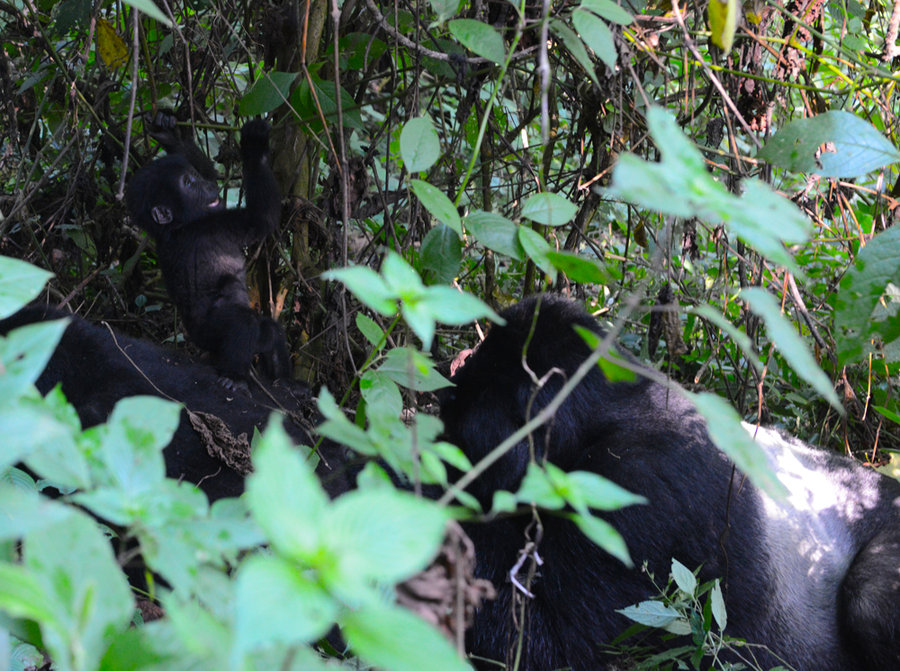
(20, 282)
(537, 248)
(383, 535)
(597, 35)
(791, 345)
(401, 278)
(857, 314)
(24, 511)
(135, 435)
(538, 489)
(420, 146)
(444, 9)
(436, 202)
(479, 38)
(151, 10)
(611, 362)
(307, 105)
(650, 614)
(685, 580)
(47, 431)
(549, 209)
(267, 93)
(368, 287)
(575, 46)
(391, 637)
(370, 330)
(381, 394)
(608, 10)
(284, 495)
(25, 352)
(340, 429)
(604, 535)
(717, 603)
(410, 368)
(276, 602)
(859, 147)
(681, 186)
(577, 268)
(730, 436)
(595, 491)
(451, 306)
(87, 591)
(723, 17)
(441, 255)
(23, 596)
(495, 232)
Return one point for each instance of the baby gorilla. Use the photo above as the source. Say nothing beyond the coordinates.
(812, 578)
(200, 246)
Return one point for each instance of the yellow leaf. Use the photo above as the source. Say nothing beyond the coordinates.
(112, 47)
(892, 467)
(723, 18)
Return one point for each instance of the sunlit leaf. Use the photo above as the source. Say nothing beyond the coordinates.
(723, 18)
(858, 147)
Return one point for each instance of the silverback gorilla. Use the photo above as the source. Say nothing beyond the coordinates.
(97, 368)
(200, 246)
(815, 579)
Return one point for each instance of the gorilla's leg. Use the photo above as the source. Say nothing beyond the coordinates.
(870, 601)
(234, 335)
(274, 357)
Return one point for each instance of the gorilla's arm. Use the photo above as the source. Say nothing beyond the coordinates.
(263, 210)
(164, 130)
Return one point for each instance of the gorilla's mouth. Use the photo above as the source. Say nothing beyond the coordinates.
(214, 204)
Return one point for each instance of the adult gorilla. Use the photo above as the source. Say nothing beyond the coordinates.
(97, 367)
(815, 579)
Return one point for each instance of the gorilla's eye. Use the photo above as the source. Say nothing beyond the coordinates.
(187, 180)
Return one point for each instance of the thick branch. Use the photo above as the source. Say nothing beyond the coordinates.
(891, 48)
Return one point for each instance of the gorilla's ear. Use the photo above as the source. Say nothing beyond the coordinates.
(162, 214)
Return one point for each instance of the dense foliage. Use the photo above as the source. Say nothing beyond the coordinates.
(717, 183)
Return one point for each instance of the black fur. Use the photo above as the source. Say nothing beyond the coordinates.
(200, 246)
(814, 579)
(92, 367)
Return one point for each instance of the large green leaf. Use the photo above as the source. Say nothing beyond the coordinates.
(19, 283)
(495, 232)
(85, 588)
(285, 496)
(267, 93)
(390, 637)
(437, 203)
(479, 38)
(277, 602)
(858, 146)
(608, 10)
(858, 312)
(420, 145)
(441, 255)
(549, 209)
(728, 434)
(383, 535)
(537, 249)
(596, 34)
